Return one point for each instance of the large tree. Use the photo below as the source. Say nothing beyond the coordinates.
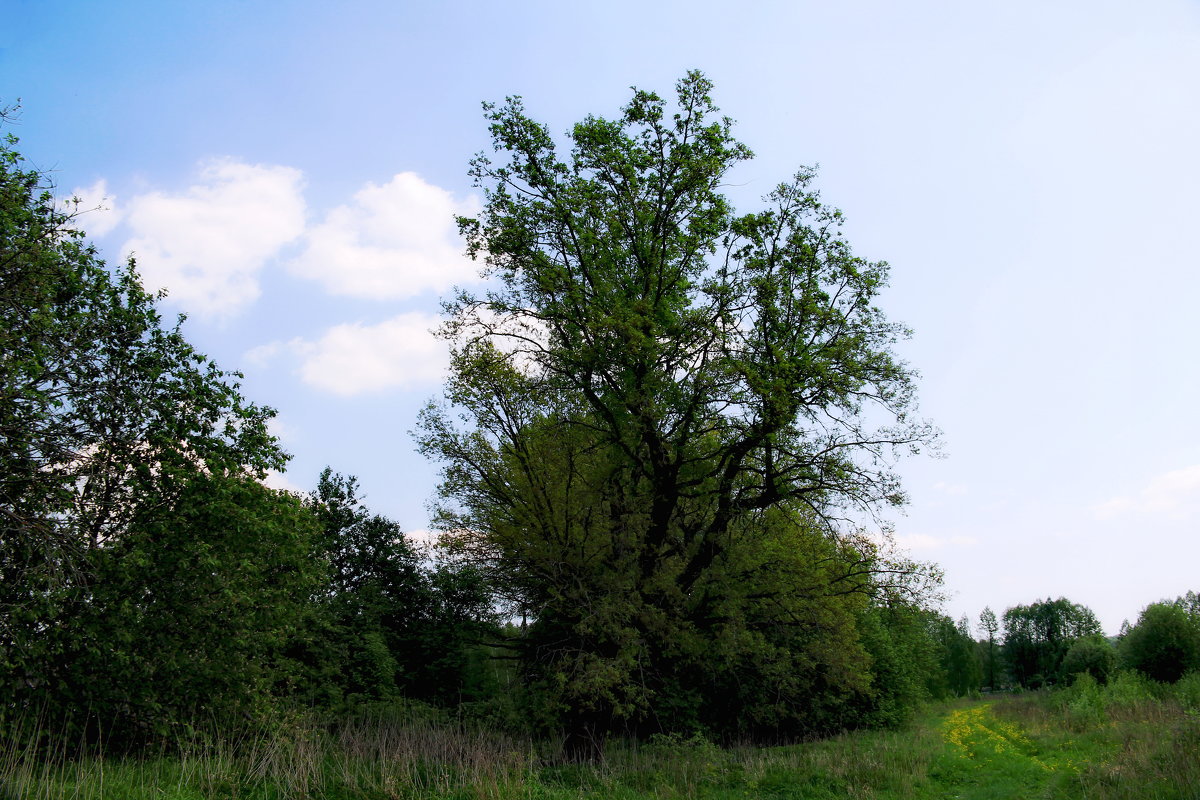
(102, 406)
(654, 387)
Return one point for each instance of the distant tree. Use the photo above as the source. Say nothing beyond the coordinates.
(1037, 637)
(1091, 654)
(968, 664)
(958, 670)
(905, 660)
(1190, 602)
(1164, 644)
(650, 380)
(990, 626)
(387, 625)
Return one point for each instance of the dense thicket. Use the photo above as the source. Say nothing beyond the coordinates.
(385, 623)
(184, 619)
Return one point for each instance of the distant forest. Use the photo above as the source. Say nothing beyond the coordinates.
(663, 427)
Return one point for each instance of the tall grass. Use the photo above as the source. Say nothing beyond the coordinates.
(386, 754)
(1129, 739)
(1132, 738)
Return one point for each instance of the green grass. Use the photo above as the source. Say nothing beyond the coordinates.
(1131, 739)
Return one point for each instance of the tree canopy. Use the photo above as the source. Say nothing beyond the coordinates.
(661, 399)
(128, 463)
(1165, 642)
(101, 404)
(1038, 636)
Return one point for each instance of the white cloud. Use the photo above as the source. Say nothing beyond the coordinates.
(356, 359)
(923, 541)
(279, 481)
(96, 211)
(1174, 494)
(281, 429)
(422, 537)
(950, 488)
(207, 245)
(263, 354)
(395, 240)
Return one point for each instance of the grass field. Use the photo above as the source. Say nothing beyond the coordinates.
(1130, 739)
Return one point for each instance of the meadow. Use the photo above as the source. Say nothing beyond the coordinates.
(1132, 738)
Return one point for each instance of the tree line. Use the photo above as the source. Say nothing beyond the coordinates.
(664, 425)
(1052, 642)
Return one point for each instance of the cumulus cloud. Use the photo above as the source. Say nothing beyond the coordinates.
(95, 211)
(395, 240)
(356, 359)
(207, 244)
(1174, 494)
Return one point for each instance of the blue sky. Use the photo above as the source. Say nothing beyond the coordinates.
(1030, 170)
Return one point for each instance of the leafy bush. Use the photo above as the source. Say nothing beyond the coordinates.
(1086, 702)
(1128, 688)
(1187, 691)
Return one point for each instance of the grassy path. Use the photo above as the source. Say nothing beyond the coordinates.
(1093, 743)
(987, 757)
(970, 750)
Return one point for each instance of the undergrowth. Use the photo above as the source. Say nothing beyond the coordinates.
(1129, 739)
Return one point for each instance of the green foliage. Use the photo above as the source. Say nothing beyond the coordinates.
(1130, 688)
(1086, 701)
(150, 587)
(384, 625)
(1091, 702)
(1038, 636)
(958, 671)
(190, 612)
(989, 647)
(1091, 655)
(1164, 644)
(665, 408)
(142, 571)
(101, 407)
(903, 656)
(1190, 603)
